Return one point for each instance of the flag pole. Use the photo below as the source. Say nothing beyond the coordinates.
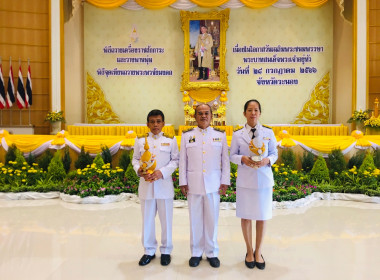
(27, 93)
(19, 64)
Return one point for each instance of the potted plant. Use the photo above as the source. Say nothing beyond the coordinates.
(55, 118)
(372, 126)
(359, 117)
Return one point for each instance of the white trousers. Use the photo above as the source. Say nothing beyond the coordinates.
(204, 214)
(149, 208)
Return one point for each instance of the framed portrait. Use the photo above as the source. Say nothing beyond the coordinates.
(205, 50)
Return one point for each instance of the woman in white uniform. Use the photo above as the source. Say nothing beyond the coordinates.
(253, 149)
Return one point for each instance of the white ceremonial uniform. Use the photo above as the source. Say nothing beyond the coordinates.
(204, 165)
(158, 195)
(254, 187)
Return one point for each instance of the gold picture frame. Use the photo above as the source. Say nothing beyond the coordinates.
(216, 24)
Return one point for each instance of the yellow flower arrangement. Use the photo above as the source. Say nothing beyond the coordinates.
(372, 122)
(359, 116)
(55, 116)
(221, 110)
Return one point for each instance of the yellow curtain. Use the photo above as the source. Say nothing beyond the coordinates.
(155, 4)
(107, 4)
(258, 3)
(209, 3)
(309, 3)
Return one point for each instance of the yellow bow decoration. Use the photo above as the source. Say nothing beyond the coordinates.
(3, 133)
(360, 141)
(129, 140)
(59, 139)
(285, 139)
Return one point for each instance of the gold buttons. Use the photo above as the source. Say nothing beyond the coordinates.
(204, 161)
(203, 142)
(204, 170)
(204, 152)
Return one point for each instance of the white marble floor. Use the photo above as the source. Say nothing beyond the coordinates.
(51, 239)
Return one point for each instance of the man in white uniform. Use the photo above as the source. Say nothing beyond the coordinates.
(204, 174)
(156, 190)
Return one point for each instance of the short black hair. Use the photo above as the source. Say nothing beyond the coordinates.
(154, 113)
(201, 105)
(249, 101)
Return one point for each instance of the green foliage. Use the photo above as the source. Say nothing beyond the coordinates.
(368, 164)
(131, 177)
(320, 172)
(11, 154)
(125, 159)
(31, 159)
(106, 155)
(288, 158)
(336, 163)
(20, 160)
(66, 160)
(356, 160)
(376, 158)
(84, 159)
(45, 159)
(308, 160)
(56, 172)
(98, 160)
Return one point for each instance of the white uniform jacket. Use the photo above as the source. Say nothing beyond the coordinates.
(204, 164)
(247, 176)
(166, 151)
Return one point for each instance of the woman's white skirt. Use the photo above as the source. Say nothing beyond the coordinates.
(254, 204)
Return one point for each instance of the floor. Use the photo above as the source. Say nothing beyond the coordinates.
(52, 239)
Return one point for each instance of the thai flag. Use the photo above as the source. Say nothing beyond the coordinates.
(28, 100)
(3, 103)
(20, 90)
(11, 89)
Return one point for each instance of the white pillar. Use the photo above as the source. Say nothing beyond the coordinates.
(55, 20)
(361, 55)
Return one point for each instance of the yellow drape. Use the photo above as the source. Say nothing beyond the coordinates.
(155, 4)
(209, 3)
(158, 4)
(258, 3)
(28, 143)
(309, 3)
(94, 143)
(325, 144)
(107, 4)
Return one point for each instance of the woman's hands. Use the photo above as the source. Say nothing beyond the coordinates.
(254, 164)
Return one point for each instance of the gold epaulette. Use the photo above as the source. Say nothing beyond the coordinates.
(187, 130)
(219, 129)
(267, 126)
(168, 135)
(238, 127)
(142, 135)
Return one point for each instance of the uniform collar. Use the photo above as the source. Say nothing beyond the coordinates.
(248, 127)
(207, 129)
(156, 136)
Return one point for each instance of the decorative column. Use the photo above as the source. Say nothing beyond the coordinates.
(55, 54)
(361, 55)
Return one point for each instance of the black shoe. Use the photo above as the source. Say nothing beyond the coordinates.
(146, 259)
(194, 261)
(259, 265)
(250, 265)
(165, 259)
(214, 262)
(200, 73)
